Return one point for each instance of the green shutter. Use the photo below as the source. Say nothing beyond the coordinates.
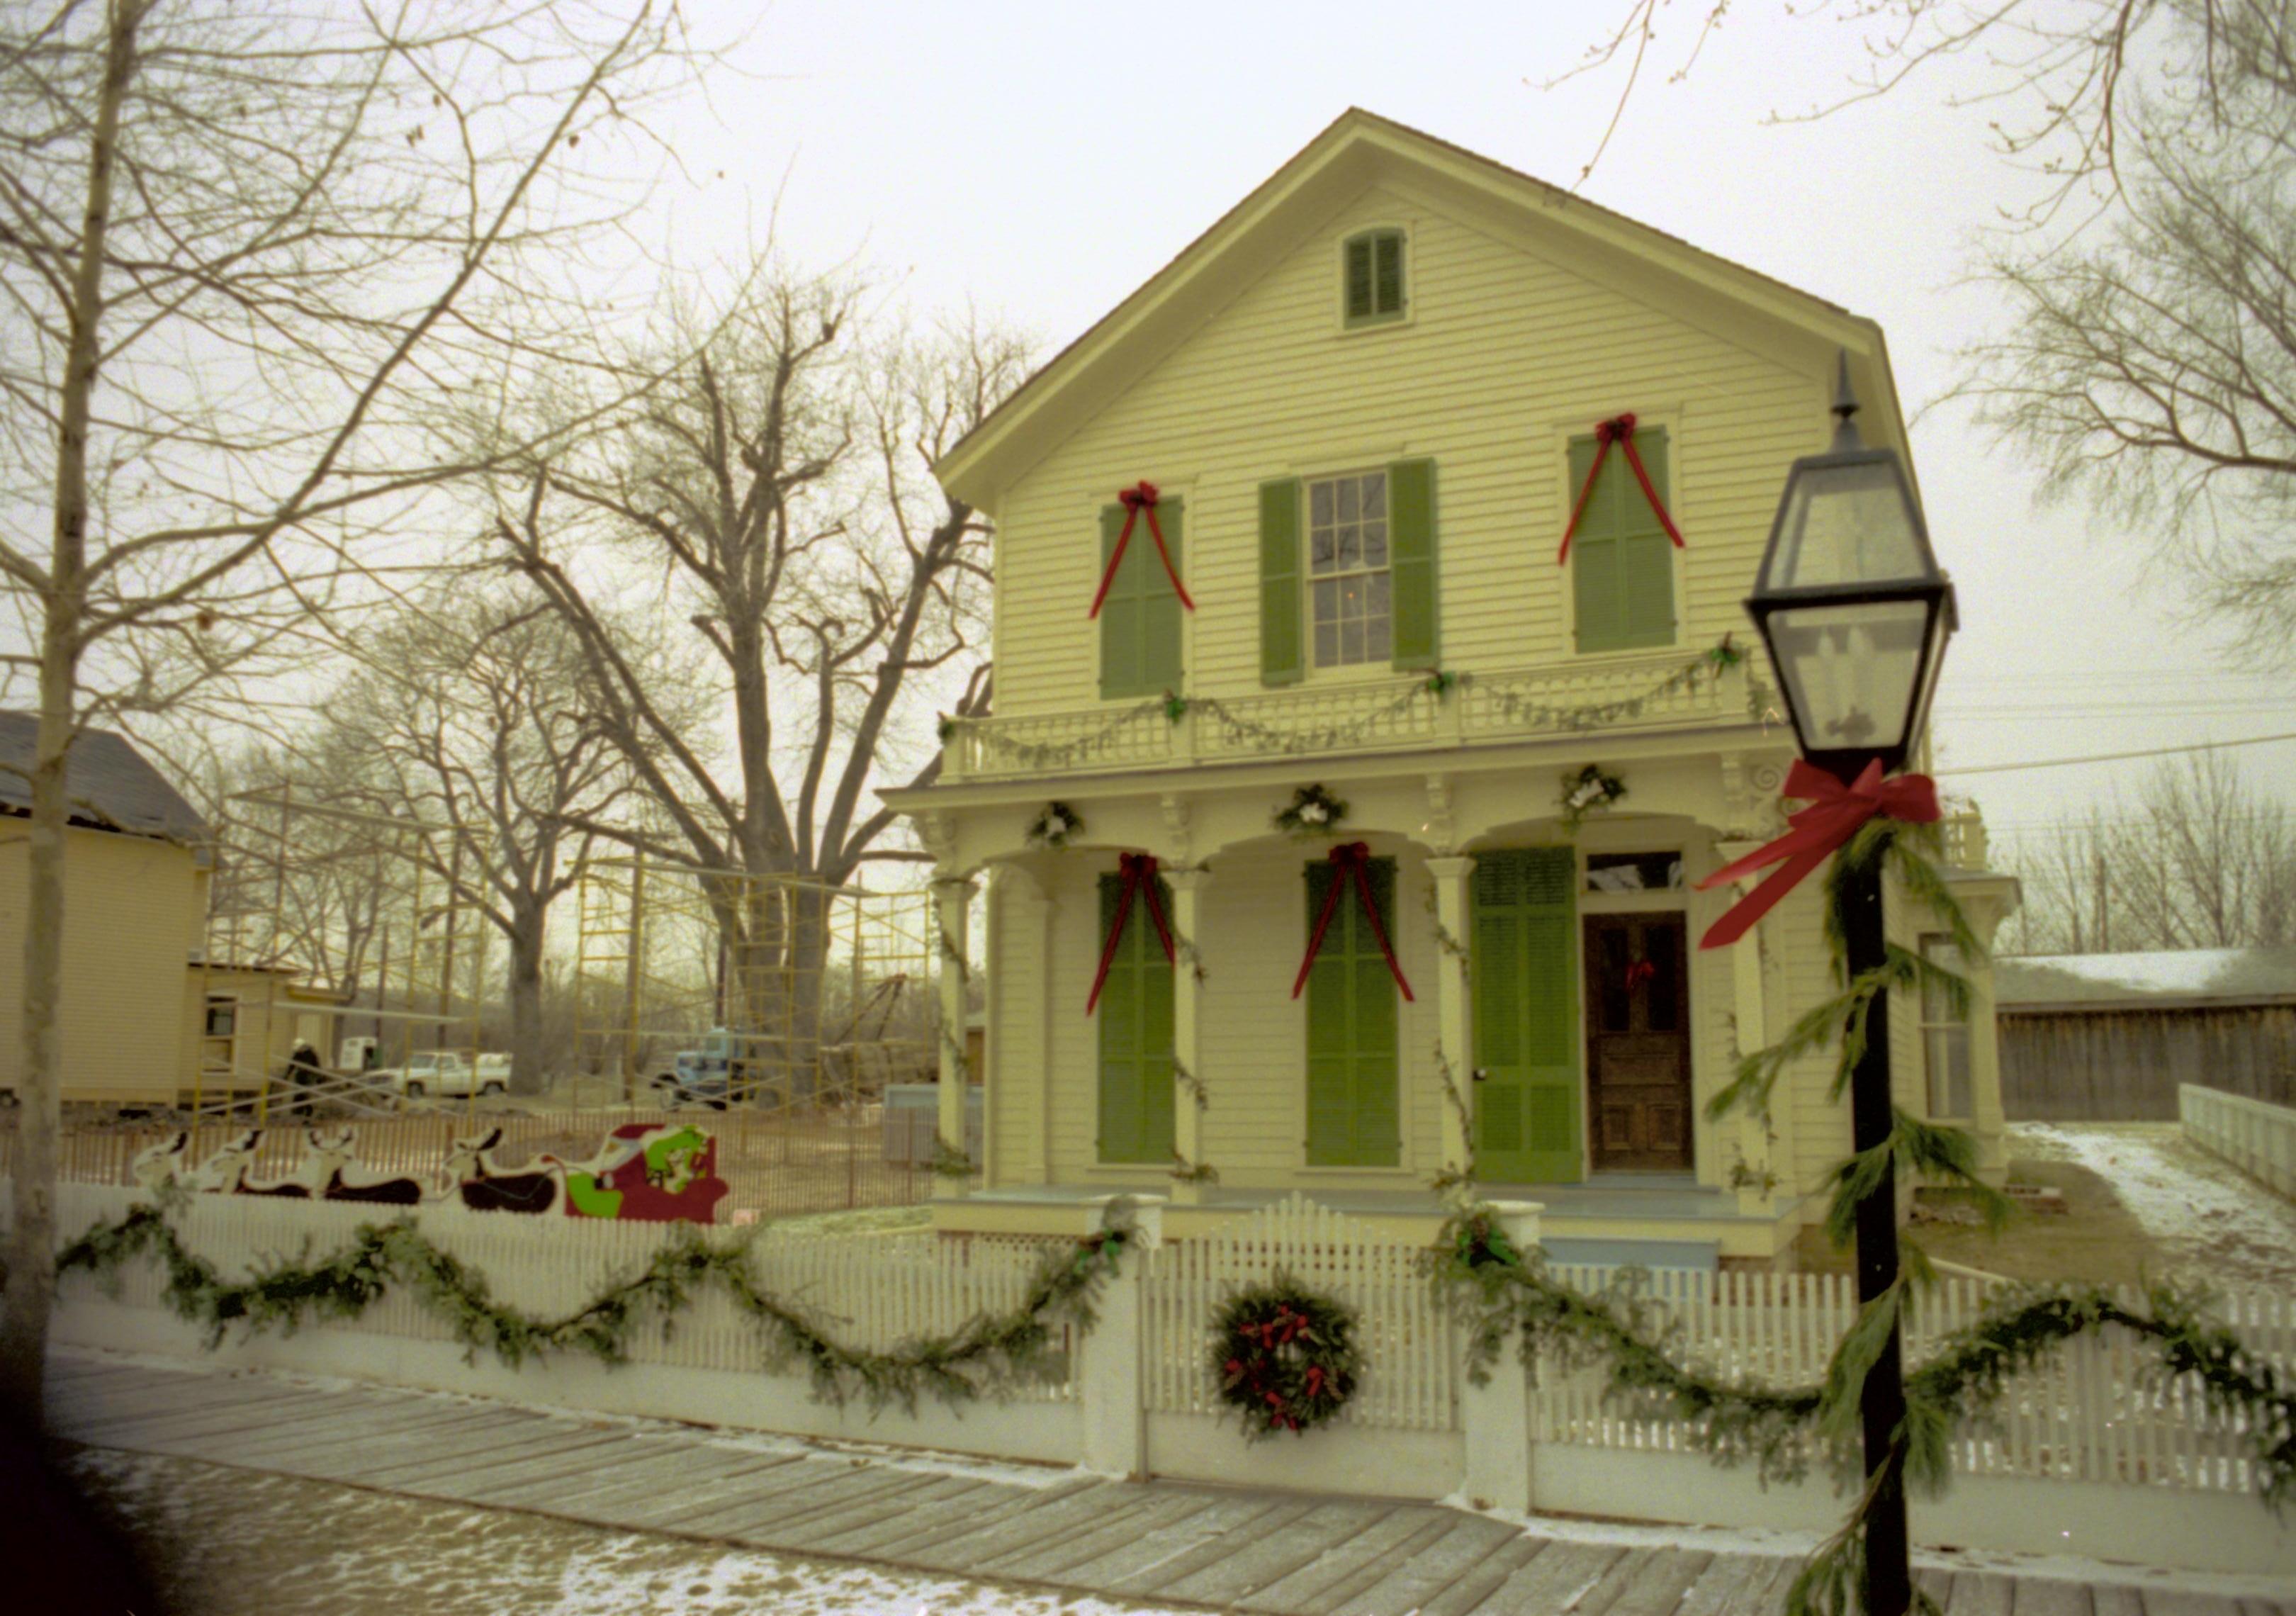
(1387, 291)
(1283, 635)
(1359, 278)
(1411, 560)
(1135, 1036)
(1621, 560)
(1140, 619)
(1354, 1111)
(1527, 1106)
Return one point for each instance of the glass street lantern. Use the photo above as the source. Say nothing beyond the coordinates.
(1851, 603)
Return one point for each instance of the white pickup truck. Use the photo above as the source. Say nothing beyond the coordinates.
(445, 1072)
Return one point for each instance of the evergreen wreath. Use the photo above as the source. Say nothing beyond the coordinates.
(989, 1354)
(1313, 812)
(1591, 788)
(1053, 827)
(1285, 1357)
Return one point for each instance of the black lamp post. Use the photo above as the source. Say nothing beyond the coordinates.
(1855, 616)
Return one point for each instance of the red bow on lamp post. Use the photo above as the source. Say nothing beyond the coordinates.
(1834, 813)
(1135, 500)
(1618, 430)
(1139, 872)
(1350, 863)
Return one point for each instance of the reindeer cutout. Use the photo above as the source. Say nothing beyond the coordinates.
(225, 1172)
(158, 1166)
(485, 1187)
(331, 1153)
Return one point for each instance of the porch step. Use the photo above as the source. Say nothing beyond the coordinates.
(1701, 1255)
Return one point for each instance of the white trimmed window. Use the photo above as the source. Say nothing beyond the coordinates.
(1945, 1037)
(1348, 568)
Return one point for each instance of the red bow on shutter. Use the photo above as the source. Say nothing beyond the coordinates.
(1618, 430)
(1135, 500)
(1350, 862)
(1139, 872)
(1834, 812)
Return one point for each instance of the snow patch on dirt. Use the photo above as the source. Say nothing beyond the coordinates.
(2234, 1230)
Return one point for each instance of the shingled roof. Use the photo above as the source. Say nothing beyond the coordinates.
(109, 784)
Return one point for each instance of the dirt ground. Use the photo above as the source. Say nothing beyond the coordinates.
(2141, 1202)
(216, 1541)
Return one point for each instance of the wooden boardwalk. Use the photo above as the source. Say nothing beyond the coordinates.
(1186, 1547)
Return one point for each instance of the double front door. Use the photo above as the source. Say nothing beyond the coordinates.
(1532, 1093)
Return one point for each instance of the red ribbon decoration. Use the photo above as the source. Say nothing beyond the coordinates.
(1618, 430)
(1834, 812)
(1639, 972)
(1135, 500)
(1139, 871)
(1350, 861)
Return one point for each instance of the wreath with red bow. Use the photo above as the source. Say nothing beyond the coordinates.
(1286, 1358)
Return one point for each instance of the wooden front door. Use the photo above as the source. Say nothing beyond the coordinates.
(1637, 997)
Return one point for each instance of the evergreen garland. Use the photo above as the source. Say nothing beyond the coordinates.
(989, 1354)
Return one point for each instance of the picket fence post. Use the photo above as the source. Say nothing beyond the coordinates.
(1499, 1414)
(1114, 1385)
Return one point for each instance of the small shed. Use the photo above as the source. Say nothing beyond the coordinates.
(2109, 1037)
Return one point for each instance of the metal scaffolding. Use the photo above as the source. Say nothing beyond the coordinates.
(762, 990)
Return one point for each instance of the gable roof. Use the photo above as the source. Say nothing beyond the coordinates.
(2185, 978)
(109, 784)
(1356, 151)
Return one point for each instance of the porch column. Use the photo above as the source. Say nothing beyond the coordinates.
(1188, 1105)
(1764, 1169)
(1454, 1029)
(953, 910)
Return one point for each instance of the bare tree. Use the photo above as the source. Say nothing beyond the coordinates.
(468, 716)
(242, 253)
(776, 488)
(2059, 81)
(2151, 365)
(2199, 861)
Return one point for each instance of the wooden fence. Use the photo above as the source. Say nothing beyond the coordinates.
(2259, 1139)
(2126, 1065)
(2092, 1412)
(2095, 1452)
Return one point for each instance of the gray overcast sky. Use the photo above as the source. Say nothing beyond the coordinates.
(1043, 159)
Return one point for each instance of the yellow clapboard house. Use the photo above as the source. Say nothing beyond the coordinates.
(1368, 401)
(147, 1020)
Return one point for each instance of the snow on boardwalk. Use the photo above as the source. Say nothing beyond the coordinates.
(370, 1497)
(2237, 1231)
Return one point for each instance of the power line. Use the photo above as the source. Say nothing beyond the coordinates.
(2157, 752)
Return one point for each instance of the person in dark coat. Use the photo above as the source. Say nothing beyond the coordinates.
(304, 1072)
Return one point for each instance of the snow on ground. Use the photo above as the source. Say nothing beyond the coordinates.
(226, 1542)
(2228, 1226)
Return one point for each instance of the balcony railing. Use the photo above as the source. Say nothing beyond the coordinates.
(1672, 692)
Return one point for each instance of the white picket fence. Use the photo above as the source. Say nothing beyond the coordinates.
(874, 1292)
(2092, 1411)
(1409, 1344)
(2256, 1136)
(2094, 1453)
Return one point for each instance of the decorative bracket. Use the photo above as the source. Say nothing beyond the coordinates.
(1442, 831)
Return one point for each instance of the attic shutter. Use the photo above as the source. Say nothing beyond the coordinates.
(1353, 1088)
(1282, 639)
(1135, 1036)
(1359, 278)
(1621, 560)
(1140, 619)
(1411, 558)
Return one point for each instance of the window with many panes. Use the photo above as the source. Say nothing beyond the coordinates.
(1374, 277)
(1348, 568)
(1945, 1036)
